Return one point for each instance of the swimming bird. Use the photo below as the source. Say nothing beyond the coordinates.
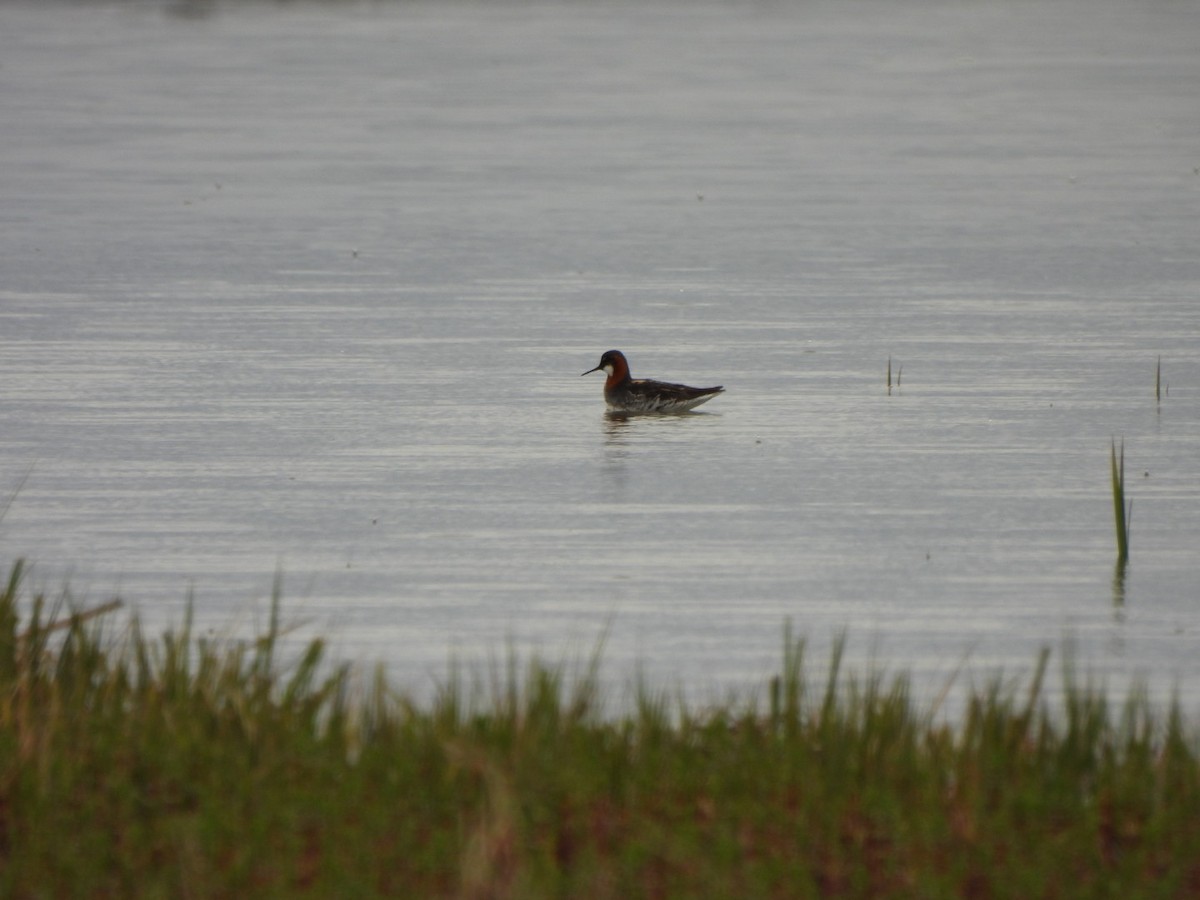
(627, 395)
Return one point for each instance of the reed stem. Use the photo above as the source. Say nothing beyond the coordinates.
(1122, 514)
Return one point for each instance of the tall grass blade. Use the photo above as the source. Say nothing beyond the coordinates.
(1119, 509)
(9, 640)
(13, 494)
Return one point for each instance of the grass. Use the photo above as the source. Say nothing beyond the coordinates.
(177, 766)
(1122, 514)
(899, 372)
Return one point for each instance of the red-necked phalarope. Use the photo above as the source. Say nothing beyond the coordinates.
(625, 395)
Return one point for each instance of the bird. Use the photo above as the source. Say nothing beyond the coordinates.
(626, 395)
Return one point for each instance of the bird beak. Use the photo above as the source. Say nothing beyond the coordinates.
(590, 371)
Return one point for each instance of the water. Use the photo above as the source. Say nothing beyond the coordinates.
(308, 288)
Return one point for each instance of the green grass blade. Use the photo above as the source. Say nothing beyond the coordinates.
(1118, 492)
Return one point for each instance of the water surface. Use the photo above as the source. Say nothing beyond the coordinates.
(309, 287)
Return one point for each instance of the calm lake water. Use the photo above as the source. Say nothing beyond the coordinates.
(309, 287)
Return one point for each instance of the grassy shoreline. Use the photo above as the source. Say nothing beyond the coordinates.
(177, 766)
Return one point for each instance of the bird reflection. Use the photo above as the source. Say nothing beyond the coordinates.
(616, 429)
